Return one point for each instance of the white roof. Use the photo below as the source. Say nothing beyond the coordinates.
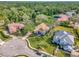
(64, 35)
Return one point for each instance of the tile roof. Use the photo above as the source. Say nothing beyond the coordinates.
(63, 18)
(13, 27)
(41, 29)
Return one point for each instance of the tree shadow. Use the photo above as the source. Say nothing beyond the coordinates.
(49, 41)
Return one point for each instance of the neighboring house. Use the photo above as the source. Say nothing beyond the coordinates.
(13, 27)
(61, 18)
(71, 13)
(74, 25)
(64, 40)
(74, 53)
(41, 29)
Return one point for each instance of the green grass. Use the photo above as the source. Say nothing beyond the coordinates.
(60, 53)
(29, 27)
(3, 36)
(44, 42)
(76, 42)
(21, 56)
(67, 29)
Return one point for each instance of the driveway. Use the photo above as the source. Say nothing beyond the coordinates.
(16, 47)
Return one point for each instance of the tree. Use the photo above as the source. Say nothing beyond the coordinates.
(41, 18)
(25, 18)
(65, 23)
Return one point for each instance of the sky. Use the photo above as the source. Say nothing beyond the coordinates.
(39, 0)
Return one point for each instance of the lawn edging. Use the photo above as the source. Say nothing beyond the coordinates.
(29, 45)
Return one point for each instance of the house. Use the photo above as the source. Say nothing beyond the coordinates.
(64, 40)
(75, 25)
(61, 17)
(13, 27)
(71, 13)
(74, 53)
(41, 29)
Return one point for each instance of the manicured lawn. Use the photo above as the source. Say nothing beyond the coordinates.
(76, 42)
(67, 29)
(3, 36)
(60, 53)
(21, 56)
(44, 43)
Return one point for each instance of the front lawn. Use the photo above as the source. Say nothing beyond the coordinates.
(3, 36)
(42, 43)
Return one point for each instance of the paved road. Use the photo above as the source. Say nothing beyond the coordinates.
(16, 47)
